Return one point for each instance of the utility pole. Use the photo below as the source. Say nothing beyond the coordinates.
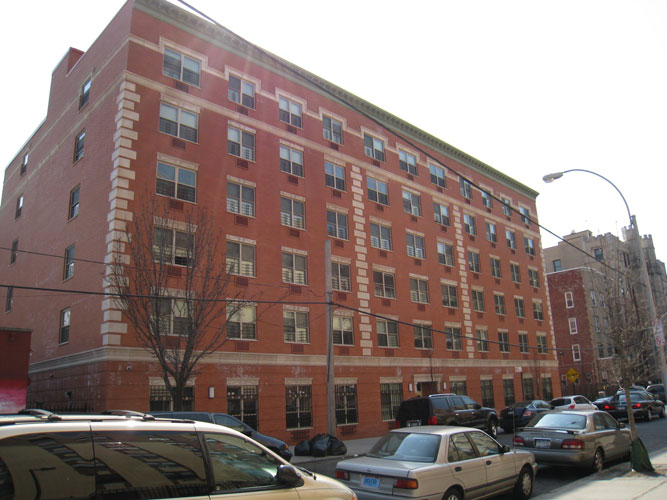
(331, 388)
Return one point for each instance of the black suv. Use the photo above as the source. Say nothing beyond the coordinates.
(447, 409)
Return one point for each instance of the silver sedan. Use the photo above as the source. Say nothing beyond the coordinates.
(426, 462)
(575, 438)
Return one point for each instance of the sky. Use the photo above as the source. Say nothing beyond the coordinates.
(528, 87)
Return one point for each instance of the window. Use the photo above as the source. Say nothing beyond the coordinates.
(342, 329)
(242, 403)
(547, 389)
(373, 147)
(495, 267)
(445, 254)
(384, 284)
(478, 301)
(499, 303)
(178, 122)
(486, 199)
(19, 207)
(541, 343)
(84, 95)
(10, 299)
(437, 175)
(466, 191)
(519, 308)
(160, 399)
(387, 333)
(415, 246)
(176, 182)
(557, 265)
(334, 176)
(510, 239)
(569, 300)
(598, 254)
(412, 203)
(340, 277)
(525, 215)
(523, 343)
(241, 92)
(482, 340)
(576, 352)
(487, 394)
(63, 336)
(596, 323)
(377, 191)
(449, 296)
(78, 145)
(294, 269)
(295, 327)
(407, 162)
(515, 272)
(346, 404)
(380, 236)
(594, 301)
(291, 161)
(240, 259)
(181, 67)
(423, 337)
(24, 163)
(73, 203)
(441, 214)
(473, 261)
(171, 316)
(292, 213)
(173, 247)
(241, 143)
(491, 234)
(68, 271)
(461, 387)
(289, 112)
(332, 130)
(241, 322)
(503, 341)
(453, 340)
(533, 278)
(572, 323)
(527, 386)
(298, 406)
(537, 311)
(529, 245)
(419, 290)
(469, 224)
(508, 391)
(14, 253)
(391, 396)
(336, 225)
(240, 199)
(507, 210)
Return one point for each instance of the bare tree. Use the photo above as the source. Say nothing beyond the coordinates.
(170, 278)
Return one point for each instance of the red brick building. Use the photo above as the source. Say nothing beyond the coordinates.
(445, 285)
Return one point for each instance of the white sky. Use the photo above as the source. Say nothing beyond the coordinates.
(528, 87)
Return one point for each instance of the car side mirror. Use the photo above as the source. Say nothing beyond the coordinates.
(505, 449)
(621, 425)
(478, 406)
(289, 476)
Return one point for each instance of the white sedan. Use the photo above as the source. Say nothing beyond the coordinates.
(428, 461)
(576, 402)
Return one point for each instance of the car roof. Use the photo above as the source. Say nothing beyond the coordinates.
(575, 412)
(442, 430)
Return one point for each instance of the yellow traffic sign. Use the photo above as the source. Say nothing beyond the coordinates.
(572, 375)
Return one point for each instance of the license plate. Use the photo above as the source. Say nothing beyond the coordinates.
(542, 443)
(414, 423)
(370, 481)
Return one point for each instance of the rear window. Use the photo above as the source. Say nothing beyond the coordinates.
(560, 402)
(412, 447)
(559, 420)
(414, 409)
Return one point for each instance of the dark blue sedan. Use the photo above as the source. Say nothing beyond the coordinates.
(519, 414)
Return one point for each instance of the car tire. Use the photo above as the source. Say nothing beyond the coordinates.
(598, 461)
(649, 415)
(492, 428)
(453, 494)
(524, 485)
(662, 412)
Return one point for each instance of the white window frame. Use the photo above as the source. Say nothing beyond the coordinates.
(510, 239)
(386, 291)
(183, 59)
(180, 127)
(576, 352)
(519, 307)
(412, 203)
(241, 204)
(466, 188)
(499, 304)
(241, 265)
(378, 191)
(240, 143)
(478, 304)
(487, 201)
(289, 218)
(569, 300)
(482, 339)
(491, 233)
(245, 316)
(291, 161)
(388, 330)
(334, 175)
(572, 324)
(337, 225)
(290, 111)
(542, 343)
(68, 270)
(474, 264)
(415, 246)
(450, 295)
(515, 272)
(423, 336)
(180, 181)
(469, 224)
(445, 253)
(438, 175)
(244, 95)
(494, 265)
(296, 271)
(382, 239)
(339, 281)
(296, 321)
(441, 213)
(419, 291)
(329, 130)
(374, 147)
(538, 311)
(453, 338)
(529, 245)
(407, 162)
(342, 329)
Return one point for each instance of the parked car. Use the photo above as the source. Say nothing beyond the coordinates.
(429, 461)
(576, 402)
(128, 456)
(644, 406)
(447, 409)
(658, 390)
(273, 444)
(581, 438)
(519, 414)
(600, 401)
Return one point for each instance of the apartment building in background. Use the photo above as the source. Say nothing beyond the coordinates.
(436, 260)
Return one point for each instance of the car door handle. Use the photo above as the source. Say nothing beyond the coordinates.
(458, 469)
(489, 462)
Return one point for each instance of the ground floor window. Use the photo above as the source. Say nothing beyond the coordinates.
(242, 403)
(547, 389)
(459, 387)
(346, 404)
(508, 391)
(487, 394)
(528, 392)
(391, 396)
(160, 399)
(298, 406)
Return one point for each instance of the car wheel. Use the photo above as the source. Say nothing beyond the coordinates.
(662, 412)
(524, 485)
(649, 415)
(452, 494)
(598, 461)
(492, 428)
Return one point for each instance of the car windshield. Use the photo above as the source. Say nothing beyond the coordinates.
(560, 421)
(413, 447)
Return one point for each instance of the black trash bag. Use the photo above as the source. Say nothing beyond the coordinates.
(336, 446)
(302, 449)
(319, 445)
